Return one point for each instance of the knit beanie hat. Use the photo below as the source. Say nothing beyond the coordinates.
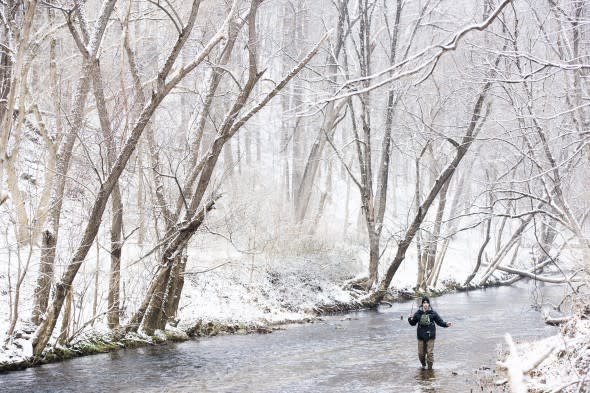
(425, 299)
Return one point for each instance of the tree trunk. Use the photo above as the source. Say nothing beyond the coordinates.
(13, 82)
(420, 244)
(141, 216)
(66, 319)
(155, 312)
(299, 131)
(45, 278)
(163, 296)
(96, 281)
(116, 204)
(322, 201)
(22, 272)
(175, 286)
(480, 253)
(303, 190)
(346, 208)
(114, 310)
(433, 246)
(5, 78)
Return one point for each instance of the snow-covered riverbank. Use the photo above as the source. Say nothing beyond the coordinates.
(241, 298)
(560, 363)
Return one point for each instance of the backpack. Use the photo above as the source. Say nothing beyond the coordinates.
(424, 319)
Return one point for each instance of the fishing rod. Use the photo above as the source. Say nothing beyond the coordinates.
(411, 312)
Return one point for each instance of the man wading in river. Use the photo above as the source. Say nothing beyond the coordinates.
(426, 318)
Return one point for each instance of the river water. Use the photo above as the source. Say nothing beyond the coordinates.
(373, 351)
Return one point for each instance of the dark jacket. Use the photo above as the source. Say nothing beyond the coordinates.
(429, 331)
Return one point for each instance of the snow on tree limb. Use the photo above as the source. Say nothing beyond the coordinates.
(442, 48)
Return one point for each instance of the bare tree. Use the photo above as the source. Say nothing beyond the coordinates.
(12, 85)
(66, 147)
(331, 117)
(165, 82)
(478, 115)
(161, 298)
(551, 157)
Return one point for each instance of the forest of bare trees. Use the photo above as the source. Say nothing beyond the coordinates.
(132, 128)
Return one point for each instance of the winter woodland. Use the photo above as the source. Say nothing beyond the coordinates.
(146, 143)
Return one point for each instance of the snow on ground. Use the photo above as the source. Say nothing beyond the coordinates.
(221, 285)
(268, 292)
(282, 284)
(567, 368)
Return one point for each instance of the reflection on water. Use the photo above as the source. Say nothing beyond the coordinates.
(360, 352)
(426, 381)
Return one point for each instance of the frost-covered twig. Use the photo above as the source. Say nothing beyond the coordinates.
(535, 363)
(565, 385)
(84, 326)
(206, 270)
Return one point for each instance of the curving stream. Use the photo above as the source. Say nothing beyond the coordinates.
(360, 352)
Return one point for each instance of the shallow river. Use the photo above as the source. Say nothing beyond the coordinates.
(361, 352)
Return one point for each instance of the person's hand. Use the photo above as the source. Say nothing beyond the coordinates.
(409, 315)
(449, 324)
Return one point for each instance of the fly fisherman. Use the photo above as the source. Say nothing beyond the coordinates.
(426, 318)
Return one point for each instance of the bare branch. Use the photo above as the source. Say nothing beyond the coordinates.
(440, 50)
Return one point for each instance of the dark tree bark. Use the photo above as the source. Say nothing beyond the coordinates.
(45, 277)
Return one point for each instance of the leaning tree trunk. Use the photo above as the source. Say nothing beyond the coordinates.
(151, 314)
(166, 296)
(445, 176)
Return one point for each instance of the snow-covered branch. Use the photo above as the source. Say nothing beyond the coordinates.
(439, 49)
